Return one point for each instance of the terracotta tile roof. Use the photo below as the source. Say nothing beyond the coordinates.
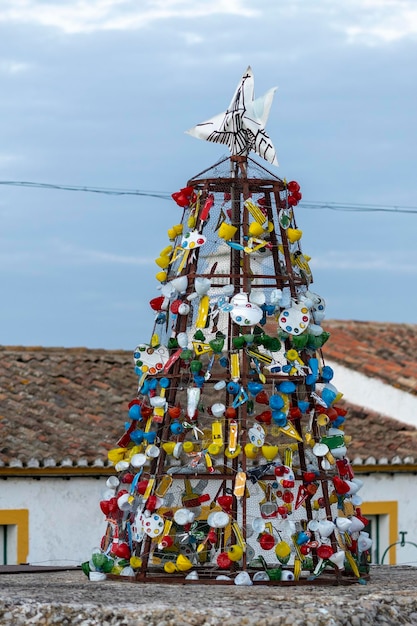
(67, 406)
(377, 349)
(62, 402)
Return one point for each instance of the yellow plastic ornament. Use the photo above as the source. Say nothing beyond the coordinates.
(161, 276)
(169, 567)
(163, 261)
(174, 231)
(269, 452)
(283, 552)
(294, 234)
(183, 563)
(135, 562)
(116, 454)
(235, 552)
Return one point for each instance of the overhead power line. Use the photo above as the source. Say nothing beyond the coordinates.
(104, 190)
(166, 195)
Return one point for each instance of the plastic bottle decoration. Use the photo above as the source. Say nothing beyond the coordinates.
(233, 465)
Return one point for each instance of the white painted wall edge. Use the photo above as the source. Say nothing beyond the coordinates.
(375, 395)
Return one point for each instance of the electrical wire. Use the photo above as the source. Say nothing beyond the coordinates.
(166, 195)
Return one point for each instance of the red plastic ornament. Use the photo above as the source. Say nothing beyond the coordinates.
(152, 503)
(292, 201)
(288, 497)
(294, 413)
(142, 486)
(308, 477)
(156, 303)
(223, 560)
(113, 508)
(207, 206)
(174, 412)
(293, 186)
(267, 541)
(166, 541)
(230, 413)
(324, 552)
(122, 551)
(180, 198)
(264, 418)
(226, 503)
(279, 470)
(175, 306)
(105, 506)
(262, 397)
(340, 486)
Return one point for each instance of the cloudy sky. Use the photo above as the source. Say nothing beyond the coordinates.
(98, 93)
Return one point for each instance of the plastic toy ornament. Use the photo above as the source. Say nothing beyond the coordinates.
(295, 319)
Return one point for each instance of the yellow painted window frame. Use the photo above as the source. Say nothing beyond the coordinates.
(19, 518)
(390, 508)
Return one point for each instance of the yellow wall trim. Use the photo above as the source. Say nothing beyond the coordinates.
(390, 508)
(19, 518)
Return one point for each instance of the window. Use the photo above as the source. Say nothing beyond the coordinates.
(383, 529)
(14, 536)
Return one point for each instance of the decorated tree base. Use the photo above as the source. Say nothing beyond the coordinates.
(233, 467)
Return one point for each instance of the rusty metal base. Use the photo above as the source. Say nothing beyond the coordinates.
(209, 578)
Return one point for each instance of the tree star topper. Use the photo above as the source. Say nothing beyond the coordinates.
(242, 126)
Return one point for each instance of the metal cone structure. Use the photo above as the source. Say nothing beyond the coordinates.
(233, 467)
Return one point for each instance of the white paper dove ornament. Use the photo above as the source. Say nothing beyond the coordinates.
(245, 313)
(295, 319)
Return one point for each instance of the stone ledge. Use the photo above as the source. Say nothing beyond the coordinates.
(68, 597)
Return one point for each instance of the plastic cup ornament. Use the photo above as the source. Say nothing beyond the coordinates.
(357, 525)
(123, 502)
(183, 563)
(364, 542)
(251, 451)
(218, 409)
(338, 559)
(138, 460)
(180, 284)
(343, 524)
(243, 579)
(112, 482)
(269, 452)
(325, 528)
(202, 285)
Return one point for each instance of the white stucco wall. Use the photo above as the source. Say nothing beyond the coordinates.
(374, 394)
(65, 520)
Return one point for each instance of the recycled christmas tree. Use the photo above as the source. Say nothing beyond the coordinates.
(233, 466)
